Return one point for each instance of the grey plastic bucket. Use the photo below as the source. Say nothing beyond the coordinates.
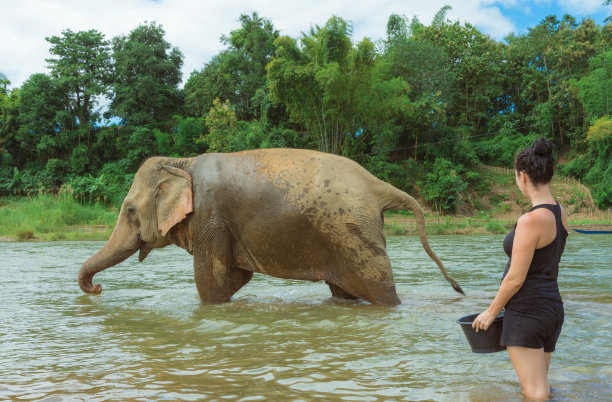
(483, 341)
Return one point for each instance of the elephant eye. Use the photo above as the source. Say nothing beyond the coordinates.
(131, 211)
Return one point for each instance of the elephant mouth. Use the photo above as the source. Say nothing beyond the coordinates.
(144, 252)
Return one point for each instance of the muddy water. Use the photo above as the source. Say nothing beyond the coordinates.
(147, 336)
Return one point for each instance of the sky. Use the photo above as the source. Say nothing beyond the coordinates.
(195, 26)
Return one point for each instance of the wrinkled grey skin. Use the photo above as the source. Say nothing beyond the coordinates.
(292, 214)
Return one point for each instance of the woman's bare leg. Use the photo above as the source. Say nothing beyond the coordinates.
(531, 366)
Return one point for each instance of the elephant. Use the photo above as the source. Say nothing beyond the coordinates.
(288, 213)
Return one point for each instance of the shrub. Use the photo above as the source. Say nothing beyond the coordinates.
(502, 149)
(79, 159)
(25, 235)
(399, 175)
(187, 136)
(281, 137)
(56, 168)
(109, 188)
(394, 229)
(141, 144)
(27, 181)
(443, 184)
(495, 227)
(595, 167)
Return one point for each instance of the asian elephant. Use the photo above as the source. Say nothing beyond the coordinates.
(289, 213)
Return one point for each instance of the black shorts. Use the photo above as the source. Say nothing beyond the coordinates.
(534, 323)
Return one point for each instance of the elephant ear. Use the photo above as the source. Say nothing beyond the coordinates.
(173, 198)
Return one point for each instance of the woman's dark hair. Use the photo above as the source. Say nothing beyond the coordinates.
(537, 161)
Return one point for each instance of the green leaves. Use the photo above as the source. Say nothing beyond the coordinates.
(443, 95)
(237, 73)
(147, 75)
(222, 125)
(595, 89)
(443, 184)
(108, 188)
(82, 67)
(333, 88)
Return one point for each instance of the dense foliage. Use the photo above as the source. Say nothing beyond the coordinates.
(420, 108)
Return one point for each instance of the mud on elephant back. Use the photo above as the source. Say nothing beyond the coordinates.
(293, 214)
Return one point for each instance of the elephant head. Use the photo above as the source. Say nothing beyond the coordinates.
(160, 198)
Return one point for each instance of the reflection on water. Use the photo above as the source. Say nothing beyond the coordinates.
(148, 336)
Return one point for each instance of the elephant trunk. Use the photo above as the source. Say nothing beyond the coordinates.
(111, 254)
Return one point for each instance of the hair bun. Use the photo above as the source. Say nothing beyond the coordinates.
(543, 147)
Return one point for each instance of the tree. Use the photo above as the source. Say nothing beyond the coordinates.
(333, 88)
(141, 144)
(222, 126)
(147, 75)
(443, 184)
(426, 68)
(43, 119)
(4, 83)
(599, 139)
(214, 81)
(238, 72)
(474, 60)
(82, 67)
(595, 88)
(189, 131)
(9, 114)
(546, 61)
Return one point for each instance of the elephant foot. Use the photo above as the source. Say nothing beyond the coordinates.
(378, 295)
(386, 299)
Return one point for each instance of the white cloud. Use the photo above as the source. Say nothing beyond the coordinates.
(196, 26)
(488, 18)
(581, 7)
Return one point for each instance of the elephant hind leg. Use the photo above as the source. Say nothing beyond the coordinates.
(371, 281)
(340, 293)
(383, 297)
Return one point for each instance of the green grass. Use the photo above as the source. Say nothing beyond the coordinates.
(589, 222)
(46, 217)
(495, 227)
(394, 229)
(445, 228)
(446, 225)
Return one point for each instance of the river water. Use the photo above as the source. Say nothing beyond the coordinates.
(148, 336)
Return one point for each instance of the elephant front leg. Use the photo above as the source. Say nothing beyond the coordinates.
(212, 266)
(216, 280)
(210, 274)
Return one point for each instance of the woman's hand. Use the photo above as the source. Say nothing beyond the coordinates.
(484, 320)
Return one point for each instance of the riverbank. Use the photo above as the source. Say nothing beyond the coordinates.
(400, 225)
(54, 218)
(492, 210)
(47, 217)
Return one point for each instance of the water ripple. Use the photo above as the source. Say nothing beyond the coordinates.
(147, 336)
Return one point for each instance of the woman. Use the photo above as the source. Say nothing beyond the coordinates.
(529, 292)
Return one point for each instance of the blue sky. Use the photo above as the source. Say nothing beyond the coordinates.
(530, 14)
(195, 26)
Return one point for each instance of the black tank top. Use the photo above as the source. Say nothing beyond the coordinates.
(541, 280)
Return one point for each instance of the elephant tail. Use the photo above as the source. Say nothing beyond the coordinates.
(403, 201)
